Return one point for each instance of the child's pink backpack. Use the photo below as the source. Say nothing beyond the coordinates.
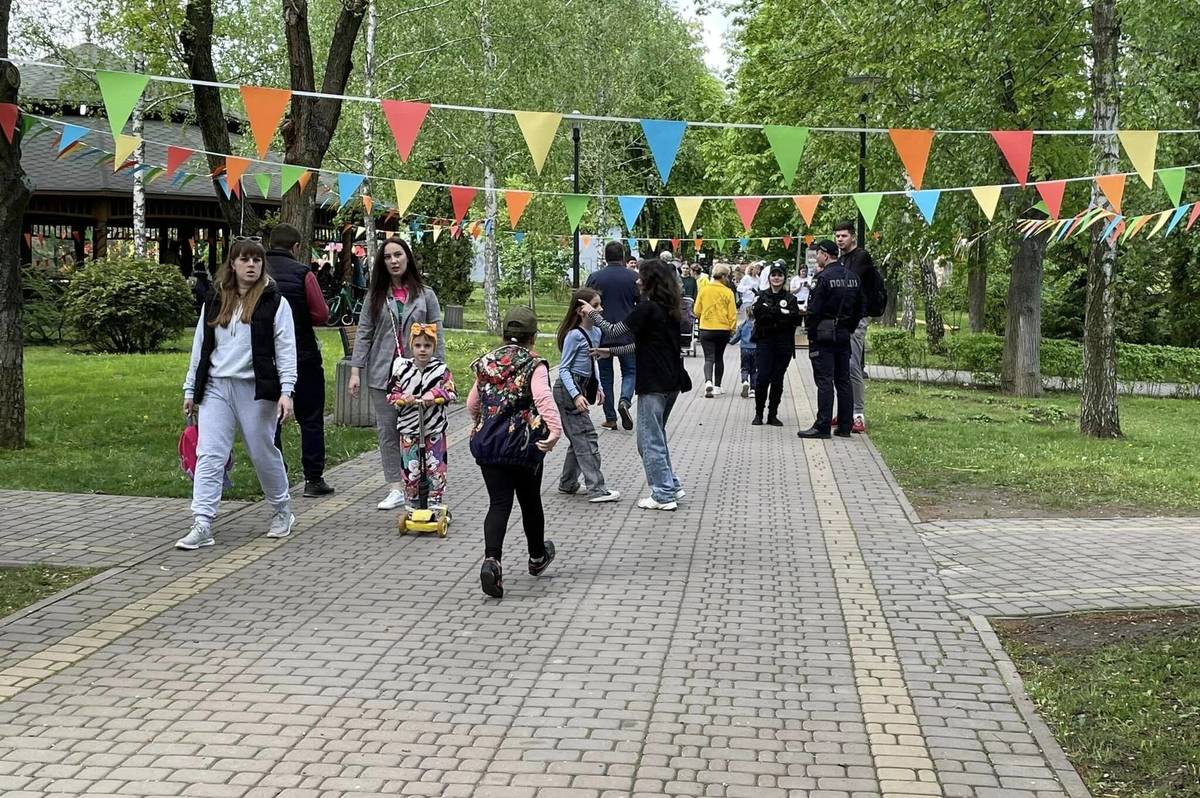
(188, 441)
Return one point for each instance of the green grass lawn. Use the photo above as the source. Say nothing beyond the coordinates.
(550, 309)
(110, 423)
(944, 444)
(1121, 693)
(20, 587)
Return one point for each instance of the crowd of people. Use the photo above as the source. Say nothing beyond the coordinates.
(255, 362)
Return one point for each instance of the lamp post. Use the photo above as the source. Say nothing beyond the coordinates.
(867, 82)
(575, 188)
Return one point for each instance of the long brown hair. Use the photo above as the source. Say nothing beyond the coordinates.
(571, 320)
(659, 286)
(227, 287)
(381, 282)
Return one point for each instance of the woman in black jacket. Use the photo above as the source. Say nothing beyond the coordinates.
(776, 316)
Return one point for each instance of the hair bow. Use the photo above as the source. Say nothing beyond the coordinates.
(418, 328)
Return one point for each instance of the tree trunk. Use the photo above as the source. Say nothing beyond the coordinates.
(491, 261)
(137, 119)
(908, 319)
(312, 122)
(935, 329)
(888, 319)
(977, 260)
(368, 128)
(1099, 416)
(1021, 365)
(196, 39)
(15, 190)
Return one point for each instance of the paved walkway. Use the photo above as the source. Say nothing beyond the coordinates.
(786, 639)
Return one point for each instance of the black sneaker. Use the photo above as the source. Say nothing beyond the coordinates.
(626, 416)
(537, 566)
(842, 433)
(314, 488)
(491, 578)
(757, 422)
(774, 422)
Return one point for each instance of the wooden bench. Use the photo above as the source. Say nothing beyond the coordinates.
(348, 333)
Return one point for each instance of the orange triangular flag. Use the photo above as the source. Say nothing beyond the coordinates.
(516, 202)
(913, 148)
(234, 169)
(807, 205)
(1113, 187)
(264, 108)
(368, 203)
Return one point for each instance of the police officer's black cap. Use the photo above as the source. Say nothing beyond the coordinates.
(826, 246)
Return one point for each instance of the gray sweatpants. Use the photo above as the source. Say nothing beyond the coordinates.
(386, 415)
(858, 343)
(584, 454)
(229, 405)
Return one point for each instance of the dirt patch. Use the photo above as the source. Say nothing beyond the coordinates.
(962, 502)
(1073, 634)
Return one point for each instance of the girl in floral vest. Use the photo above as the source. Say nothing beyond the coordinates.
(515, 424)
(416, 386)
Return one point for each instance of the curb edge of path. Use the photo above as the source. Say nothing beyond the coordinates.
(913, 517)
(1067, 775)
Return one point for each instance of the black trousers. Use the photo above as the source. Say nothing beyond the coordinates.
(713, 342)
(503, 482)
(774, 356)
(831, 372)
(308, 403)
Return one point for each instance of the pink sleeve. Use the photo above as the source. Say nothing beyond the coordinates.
(473, 401)
(543, 400)
(318, 311)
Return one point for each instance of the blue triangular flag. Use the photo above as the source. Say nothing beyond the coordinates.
(71, 134)
(1063, 227)
(633, 247)
(224, 186)
(518, 236)
(420, 236)
(1112, 225)
(926, 202)
(347, 185)
(744, 243)
(631, 207)
(1175, 217)
(663, 136)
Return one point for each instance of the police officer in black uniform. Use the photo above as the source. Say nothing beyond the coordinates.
(835, 306)
(776, 316)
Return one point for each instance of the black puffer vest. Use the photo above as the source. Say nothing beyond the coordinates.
(262, 346)
(289, 276)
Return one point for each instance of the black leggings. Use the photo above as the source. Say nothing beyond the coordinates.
(713, 342)
(503, 482)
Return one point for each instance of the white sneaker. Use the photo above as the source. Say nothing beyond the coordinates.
(679, 494)
(649, 503)
(611, 496)
(708, 389)
(281, 524)
(717, 390)
(745, 388)
(751, 393)
(394, 499)
(198, 536)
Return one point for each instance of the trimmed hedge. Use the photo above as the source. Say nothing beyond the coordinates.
(981, 354)
(128, 305)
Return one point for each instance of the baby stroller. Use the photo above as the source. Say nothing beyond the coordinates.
(687, 328)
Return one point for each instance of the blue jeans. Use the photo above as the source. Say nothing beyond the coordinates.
(628, 373)
(653, 411)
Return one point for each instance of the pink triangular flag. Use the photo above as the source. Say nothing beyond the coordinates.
(1052, 194)
(460, 198)
(405, 120)
(1017, 146)
(176, 157)
(8, 119)
(1193, 216)
(787, 242)
(746, 208)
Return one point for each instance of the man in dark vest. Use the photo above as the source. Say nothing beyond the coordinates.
(298, 285)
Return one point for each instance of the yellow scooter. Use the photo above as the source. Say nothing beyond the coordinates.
(423, 518)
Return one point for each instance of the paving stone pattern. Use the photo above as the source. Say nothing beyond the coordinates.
(791, 639)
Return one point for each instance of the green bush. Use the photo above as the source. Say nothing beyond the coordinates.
(43, 318)
(128, 304)
(979, 353)
(896, 347)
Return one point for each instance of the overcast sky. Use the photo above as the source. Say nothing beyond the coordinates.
(713, 27)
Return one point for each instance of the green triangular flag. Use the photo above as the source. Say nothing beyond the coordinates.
(721, 243)
(120, 91)
(868, 205)
(788, 145)
(1172, 182)
(264, 183)
(576, 205)
(288, 175)
(1040, 205)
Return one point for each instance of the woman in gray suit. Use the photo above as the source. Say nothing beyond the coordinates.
(396, 298)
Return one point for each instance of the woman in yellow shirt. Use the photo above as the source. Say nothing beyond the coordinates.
(717, 311)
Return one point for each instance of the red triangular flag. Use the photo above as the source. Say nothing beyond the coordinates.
(1017, 146)
(674, 244)
(176, 157)
(787, 242)
(460, 198)
(1192, 217)
(264, 108)
(405, 120)
(1052, 194)
(8, 119)
(913, 148)
(456, 230)
(807, 205)
(746, 208)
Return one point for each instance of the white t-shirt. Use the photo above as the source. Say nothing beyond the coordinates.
(800, 286)
(746, 289)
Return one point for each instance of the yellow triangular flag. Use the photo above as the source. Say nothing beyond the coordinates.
(653, 244)
(1142, 148)
(987, 197)
(688, 207)
(437, 232)
(405, 191)
(766, 242)
(124, 146)
(538, 128)
(1162, 220)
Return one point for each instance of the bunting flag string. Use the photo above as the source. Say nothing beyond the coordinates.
(123, 148)
(1113, 187)
(807, 206)
(1172, 182)
(1141, 147)
(787, 144)
(987, 197)
(688, 207)
(913, 148)
(664, 137)
(264, 108)
(516, 202)
(538, 129)
(120, 92)
(631, 208)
